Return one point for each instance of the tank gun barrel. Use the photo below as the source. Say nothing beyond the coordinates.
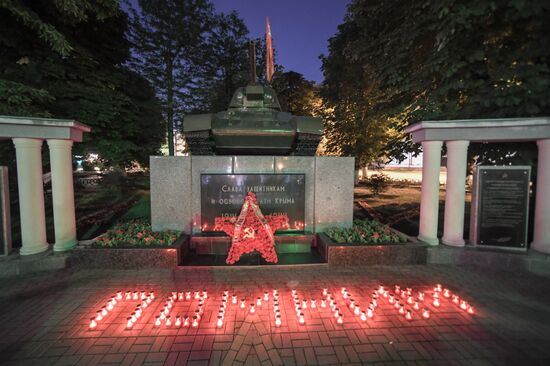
(252, 53)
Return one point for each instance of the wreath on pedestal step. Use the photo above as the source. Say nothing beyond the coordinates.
(251, 230)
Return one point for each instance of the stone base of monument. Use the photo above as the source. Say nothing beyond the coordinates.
(219, 245)
(354, 254)
(130, 257)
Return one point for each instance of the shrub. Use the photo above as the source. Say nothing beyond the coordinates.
(378, 183)
(365, 232)
(135, 233)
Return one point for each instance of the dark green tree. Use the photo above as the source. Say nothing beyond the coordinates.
(296, 94)
(67, 63)
(168, 37)
(395, 63)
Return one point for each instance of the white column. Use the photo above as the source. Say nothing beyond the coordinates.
(31, 195)
(63, 194)
(541, 234)
(429, 201)
(453, 223)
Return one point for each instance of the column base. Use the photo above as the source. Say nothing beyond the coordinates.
(541, 247)
(431, 241)
(35, 249)
(453, 242)
(63, 247)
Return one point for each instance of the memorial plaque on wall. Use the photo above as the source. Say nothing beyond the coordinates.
(222, 195)
(501, 203)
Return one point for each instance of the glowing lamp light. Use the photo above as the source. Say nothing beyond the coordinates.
(345, 295)
(136, 315)
(374, 302)
(391, 300)
(436, 302)
(197, 295)
(325, 292)
(278, 321)
(252, 309)
(119, 295)
(157, 321)
(456, 299)
(198, 314)
(98, 315)
(352, 304)
(416, 306)
(464, 305)
(195, 322)
(234, 299)
(402, 309)
(168, 321)
(162, 316)
(470, 309)
(129, 323)
(104, 311)
(410, 300)
(266, 296)
(404, 294)
(259, 301)
(185, 321)
(421, 296)
(381, 290)
(397, 289)
(339, 320)
(298, 311)
(426, 314)
(344, 290)
(225, 292)
(180, 296)
(409, 291)
(436, 295)
(152, 295)
(128, 295)
(313, 303)
(304, 303)
(205, 294)
(302, 320)
(370, 313)
(242, 304)
(136, 296)
(148, 300)
(144, 304)
(447, 293)
(409, 315)
(168, 305)
(357, 310)
(93, 323)
(177, 323)
(166, 311)
(188, 295)
(293, 292)
(224, 303)
(323, 304)
(336, 312)
(219, 323)
(143, 295)
(275, 293)
(397, 305)
(363, 316)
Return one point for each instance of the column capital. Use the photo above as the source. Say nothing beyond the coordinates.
(60, 144)
(22, 143)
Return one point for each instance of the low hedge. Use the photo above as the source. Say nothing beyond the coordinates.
(135, 233)
(365, 232)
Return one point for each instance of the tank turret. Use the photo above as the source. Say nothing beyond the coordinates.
(253, 125)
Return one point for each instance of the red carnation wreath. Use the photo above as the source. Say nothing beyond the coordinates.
(251, 230)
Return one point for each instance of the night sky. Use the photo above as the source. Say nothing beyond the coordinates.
(300, 28)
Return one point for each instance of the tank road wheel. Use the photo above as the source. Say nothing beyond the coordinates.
(200, 143)
(306, 144)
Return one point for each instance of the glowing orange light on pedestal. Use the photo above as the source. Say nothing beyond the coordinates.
(302, 320)
(416, 305)
(470, 309)
(336, 312)
(410, 300)
(421, 296)
(409, 315)
(259, 301)
(136, 296)
(397, 289)
(195, 322)
(129, 323)
(426, 314)
(157, 321)
(304, 303)
(219, 324)
(278, 321)
(252, 309)
(357, 310)
(177, 323)
(370, 313)
(397, 305)
(233, 299)
(185, 321)
(242, 304)
(168, 321)
(391, 300)
(402, 309)
(339, 320)
(266, 296)
(98, 316)
(325, 292)
(385, 294)
(437, 288)
(119, 295)
(464, 305)
(447, 293)
(381, 290)
(93, 323)
(104, 311)
(363, 316)
(313, 303)
(436, 302)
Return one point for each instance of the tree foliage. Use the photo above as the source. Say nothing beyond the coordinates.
(393, 63)
(64, 59)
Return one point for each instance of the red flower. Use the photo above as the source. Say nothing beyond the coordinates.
(375, 235)
(139, 235)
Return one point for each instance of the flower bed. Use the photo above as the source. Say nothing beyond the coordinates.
(132, 245)
(369, 243)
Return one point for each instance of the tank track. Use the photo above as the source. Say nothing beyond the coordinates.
(200, 143)
(306, 144)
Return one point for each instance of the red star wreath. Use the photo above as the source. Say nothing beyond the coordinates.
(251, 230)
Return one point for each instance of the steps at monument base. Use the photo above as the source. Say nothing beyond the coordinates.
(219, 245)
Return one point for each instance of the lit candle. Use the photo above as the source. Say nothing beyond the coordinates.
(345, 295)
(416, 305)
(336, 312)
(325, 292)
(129, 323)
(233, 299)
(344, 290)
(293, 292)
(198, 314)
(391, 300)
(109, 306)
(381, 290)
(185, 321)
(205, 294)
(304, 303)
(136, 296)
(357, 310)
(98, 315)
(144, 304)
(119, 295)
(219, 324)
(252, 309)
(323, 304)
(168, 305)
(436, 302)
(397, 304)
(339, 320)
(259, 301)
(166, 311)
(197, 295)
(456, 299)
(180, 296)
(93, 323)
(436, 295)
(370, 313)
(403, 294)
(128, 295)
(409, 315)
(104, 311)
(275, 293)
(302, 320)
(410, 300)
(352, 304)
(421, 296)
(188, 295)
(266, 296)
(437, 288)
(363, 316)
(162, 316)
(402, 309)
(397, 289)
(374, 302)
(152, 295)
(168, 321)
(470, 309)
(278, 321)
(225, 292)
(447, 293)
(148, 300)
(157, 321)
(426, 314)
(464, 305)
(242, 304)
(195, 321)
(409, 291)
(178, 321)
(113, 301)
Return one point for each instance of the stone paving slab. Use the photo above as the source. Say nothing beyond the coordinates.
(44, 319)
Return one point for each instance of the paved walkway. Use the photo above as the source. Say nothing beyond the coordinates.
(44, 319)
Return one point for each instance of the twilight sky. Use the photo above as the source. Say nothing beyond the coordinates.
(300, 28)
